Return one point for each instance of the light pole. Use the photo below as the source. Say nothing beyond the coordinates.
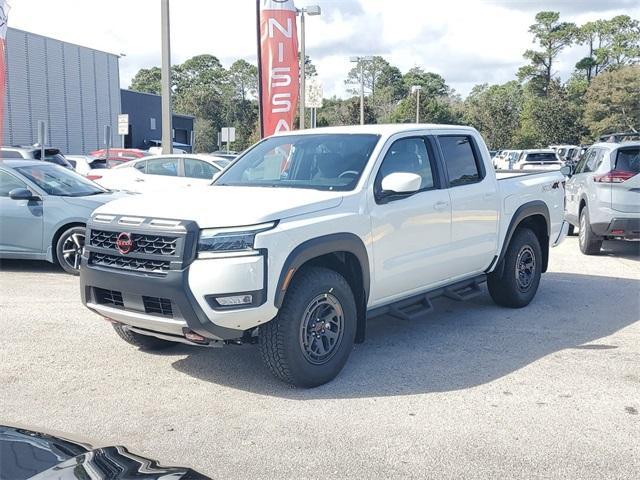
(416, 89)
(360, 62)
(165, 80)
(311, 10)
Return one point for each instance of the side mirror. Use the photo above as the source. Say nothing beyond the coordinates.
(566, 170)
(400, 184)
(22, 194)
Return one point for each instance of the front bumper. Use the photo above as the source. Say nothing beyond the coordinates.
(627, 228)
(132, 292)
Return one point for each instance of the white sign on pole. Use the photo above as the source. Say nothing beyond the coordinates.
(228, 134)
(313, 93)
(123, 124)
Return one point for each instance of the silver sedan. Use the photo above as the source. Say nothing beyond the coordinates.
(44, 210)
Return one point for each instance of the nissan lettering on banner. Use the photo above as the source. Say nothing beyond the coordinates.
(279, 65)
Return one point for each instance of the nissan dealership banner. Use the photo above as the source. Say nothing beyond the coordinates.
(4, 13)
(277, 65)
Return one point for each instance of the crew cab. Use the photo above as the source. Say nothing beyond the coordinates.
(309, 233)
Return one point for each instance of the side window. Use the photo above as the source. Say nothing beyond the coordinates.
(9, 154)
(8, 182)
(141, 166)
(198, 169)
(408, 155)
(167, 167)
(584, 159)
(459, 160)
(591, 160)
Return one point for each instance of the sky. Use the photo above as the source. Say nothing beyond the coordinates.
(466, 41)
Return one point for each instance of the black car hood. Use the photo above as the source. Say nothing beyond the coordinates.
(25, 454)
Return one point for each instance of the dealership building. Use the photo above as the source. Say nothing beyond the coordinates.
(75, 90)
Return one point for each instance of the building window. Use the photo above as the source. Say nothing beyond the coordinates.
(153, 123)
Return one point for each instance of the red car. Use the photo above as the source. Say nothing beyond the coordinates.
(119, 155)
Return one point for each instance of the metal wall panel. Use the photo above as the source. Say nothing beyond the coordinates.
(56, 98)
(17, 125)
(75, 89)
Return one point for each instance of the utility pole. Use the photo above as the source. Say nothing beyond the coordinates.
(416, 89)
(303, 58)
(167, 127)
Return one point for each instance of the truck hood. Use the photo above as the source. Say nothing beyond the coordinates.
(224, 206)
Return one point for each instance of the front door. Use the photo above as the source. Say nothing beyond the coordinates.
(21, 221)
(410, 234)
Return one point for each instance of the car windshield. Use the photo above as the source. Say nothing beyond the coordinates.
(541, 157)
(59, 181)
(317, 161)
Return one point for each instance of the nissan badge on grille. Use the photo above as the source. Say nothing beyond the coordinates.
(124, 243)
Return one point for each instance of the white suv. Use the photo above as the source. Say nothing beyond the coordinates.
(603, 195)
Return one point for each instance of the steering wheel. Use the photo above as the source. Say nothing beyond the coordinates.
(348, 172)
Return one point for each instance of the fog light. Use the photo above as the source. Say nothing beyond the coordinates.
(194, 337)
(234, 300)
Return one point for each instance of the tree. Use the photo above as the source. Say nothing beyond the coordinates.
(309, 68)
(371, 72)
(203, 71)
(613, 101)
(353, 111)
(552, 36)
(147, 80)
(549, 119)
(624, 48)
(244, 78)
(494, 110)
(433, 85)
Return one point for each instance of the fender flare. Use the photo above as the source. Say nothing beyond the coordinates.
(529, 209)
(316, 247)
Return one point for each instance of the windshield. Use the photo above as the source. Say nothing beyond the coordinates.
(541, 157)
(320, 161)
(59, 181)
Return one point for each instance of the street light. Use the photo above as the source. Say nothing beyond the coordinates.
(360, 61)
(311, 10)
(416, 89)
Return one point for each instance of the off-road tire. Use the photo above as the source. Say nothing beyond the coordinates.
(281, 340)
(589, 242)
(505, 287)
(143, 342)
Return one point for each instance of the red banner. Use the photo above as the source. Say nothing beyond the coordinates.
(4, 13)
(278, 65)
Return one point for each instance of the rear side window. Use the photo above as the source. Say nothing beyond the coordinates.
(628, 160)
(167, 167)
(10, 154)
(198, 169)
(460, 160)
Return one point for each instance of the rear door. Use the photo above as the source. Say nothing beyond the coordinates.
(161, 173)
(474, 205)
(21, 221)
(625, 180)
(198, 172)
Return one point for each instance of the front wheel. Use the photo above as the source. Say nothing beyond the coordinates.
(69, 249)
(590, 243)
(520, 277)
(309, 341)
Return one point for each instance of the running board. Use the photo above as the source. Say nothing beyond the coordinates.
(418, 306)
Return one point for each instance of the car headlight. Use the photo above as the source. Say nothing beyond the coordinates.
(214, 241)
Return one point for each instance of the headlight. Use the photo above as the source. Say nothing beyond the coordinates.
(214, 241)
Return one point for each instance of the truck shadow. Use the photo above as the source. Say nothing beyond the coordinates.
(459, 346)
(29, 266)
(621, 249)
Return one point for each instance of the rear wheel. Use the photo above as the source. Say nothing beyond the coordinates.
(143, 342)
(518, 282)
(310, 340)
(69, 249)
(590, 243)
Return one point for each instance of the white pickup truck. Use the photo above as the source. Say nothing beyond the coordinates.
(310, 233)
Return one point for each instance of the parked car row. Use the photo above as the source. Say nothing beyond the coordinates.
(541, 159)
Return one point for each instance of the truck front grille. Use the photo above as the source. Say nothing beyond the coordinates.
(129, 263)
(142, 243)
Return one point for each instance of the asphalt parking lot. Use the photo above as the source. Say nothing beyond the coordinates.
(474, 391)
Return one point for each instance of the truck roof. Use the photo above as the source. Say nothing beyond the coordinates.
(381, 129)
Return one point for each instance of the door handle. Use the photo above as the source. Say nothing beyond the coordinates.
(139, 180)
(440, 205)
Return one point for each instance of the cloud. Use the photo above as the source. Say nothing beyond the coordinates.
(566, 6)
